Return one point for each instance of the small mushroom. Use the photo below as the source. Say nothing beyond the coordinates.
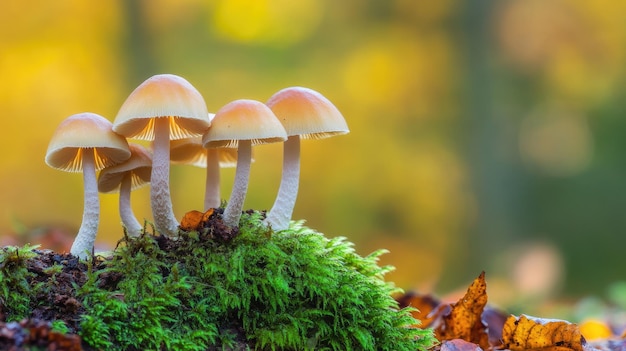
(305, 114)
(124, 177)
(242, 124)
(191, 152)
(163, 107)
(85, 142)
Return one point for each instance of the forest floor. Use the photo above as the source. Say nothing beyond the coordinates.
(469, 324)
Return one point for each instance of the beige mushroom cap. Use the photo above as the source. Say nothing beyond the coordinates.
(81, 132)
(162, 96)
(139, 165)
(189, 151)
(244, 120)
(307, 113)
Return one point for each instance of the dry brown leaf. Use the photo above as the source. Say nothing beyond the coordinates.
(494, 320)
(463, 321)
(191, 220)
(530, 333)
(424, 304)
(195, 220)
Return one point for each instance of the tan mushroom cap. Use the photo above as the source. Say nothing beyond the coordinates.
(163, 96)
(244, 120)
(84, 132)
(139, 165)
(307, 113)
(189, 151)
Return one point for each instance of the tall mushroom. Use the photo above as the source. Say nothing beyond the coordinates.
(163, 107)
(242, 124)
(86, 142)
(305, 114)
(124, 177)
(191, 152)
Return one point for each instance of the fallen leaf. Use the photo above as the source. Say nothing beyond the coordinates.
(191, 220)
(424, 304)
(615, 345)
(494, 320)
(459, 345)
(464, 319)
(530, 333)
(593, 329)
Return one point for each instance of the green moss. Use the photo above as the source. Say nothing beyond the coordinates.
(287, 290)
(16, 291)
(59, 327)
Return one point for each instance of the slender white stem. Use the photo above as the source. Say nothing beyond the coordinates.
(212, 191)
(133, 228)
(83, 244)
(232, 212)
(160, 199)
(280, 214)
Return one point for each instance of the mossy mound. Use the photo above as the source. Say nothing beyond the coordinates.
(215, 288)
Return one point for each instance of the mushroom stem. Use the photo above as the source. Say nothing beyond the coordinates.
(83, 244)
(232, 212)
(280, 214)
(160, 199)
(133, 228)
(212, 191)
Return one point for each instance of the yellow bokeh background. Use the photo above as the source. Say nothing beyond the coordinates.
(474, 129)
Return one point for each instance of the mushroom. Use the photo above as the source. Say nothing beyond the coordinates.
(305, 114)
(242, 124)
(191, 152)
(163, 107)
(86, 142)
(124, 177)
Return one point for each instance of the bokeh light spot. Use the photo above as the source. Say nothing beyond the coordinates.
(275, 22)
(556, 142)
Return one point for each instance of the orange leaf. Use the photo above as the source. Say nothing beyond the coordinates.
(206, 216)
(526, 333)
(424, 304)
(463, 321)
(191, 220)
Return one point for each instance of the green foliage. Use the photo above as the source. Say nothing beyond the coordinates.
(16, 291)
(59, 326)
(145, 311)
(289, 290)
(53, 270)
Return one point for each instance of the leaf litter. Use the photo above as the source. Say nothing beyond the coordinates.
(470, 324)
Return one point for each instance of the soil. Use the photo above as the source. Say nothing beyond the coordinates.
(60, 303)
(35, 334)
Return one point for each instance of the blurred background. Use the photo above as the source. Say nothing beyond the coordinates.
(485, 135)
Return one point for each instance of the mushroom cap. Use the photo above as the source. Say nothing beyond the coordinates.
(139, 165)
(84, 132)
(244, 120)
(307, 113)
(189, 151)
(163, 96)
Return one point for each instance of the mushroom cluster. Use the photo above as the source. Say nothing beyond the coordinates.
(168, 111)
